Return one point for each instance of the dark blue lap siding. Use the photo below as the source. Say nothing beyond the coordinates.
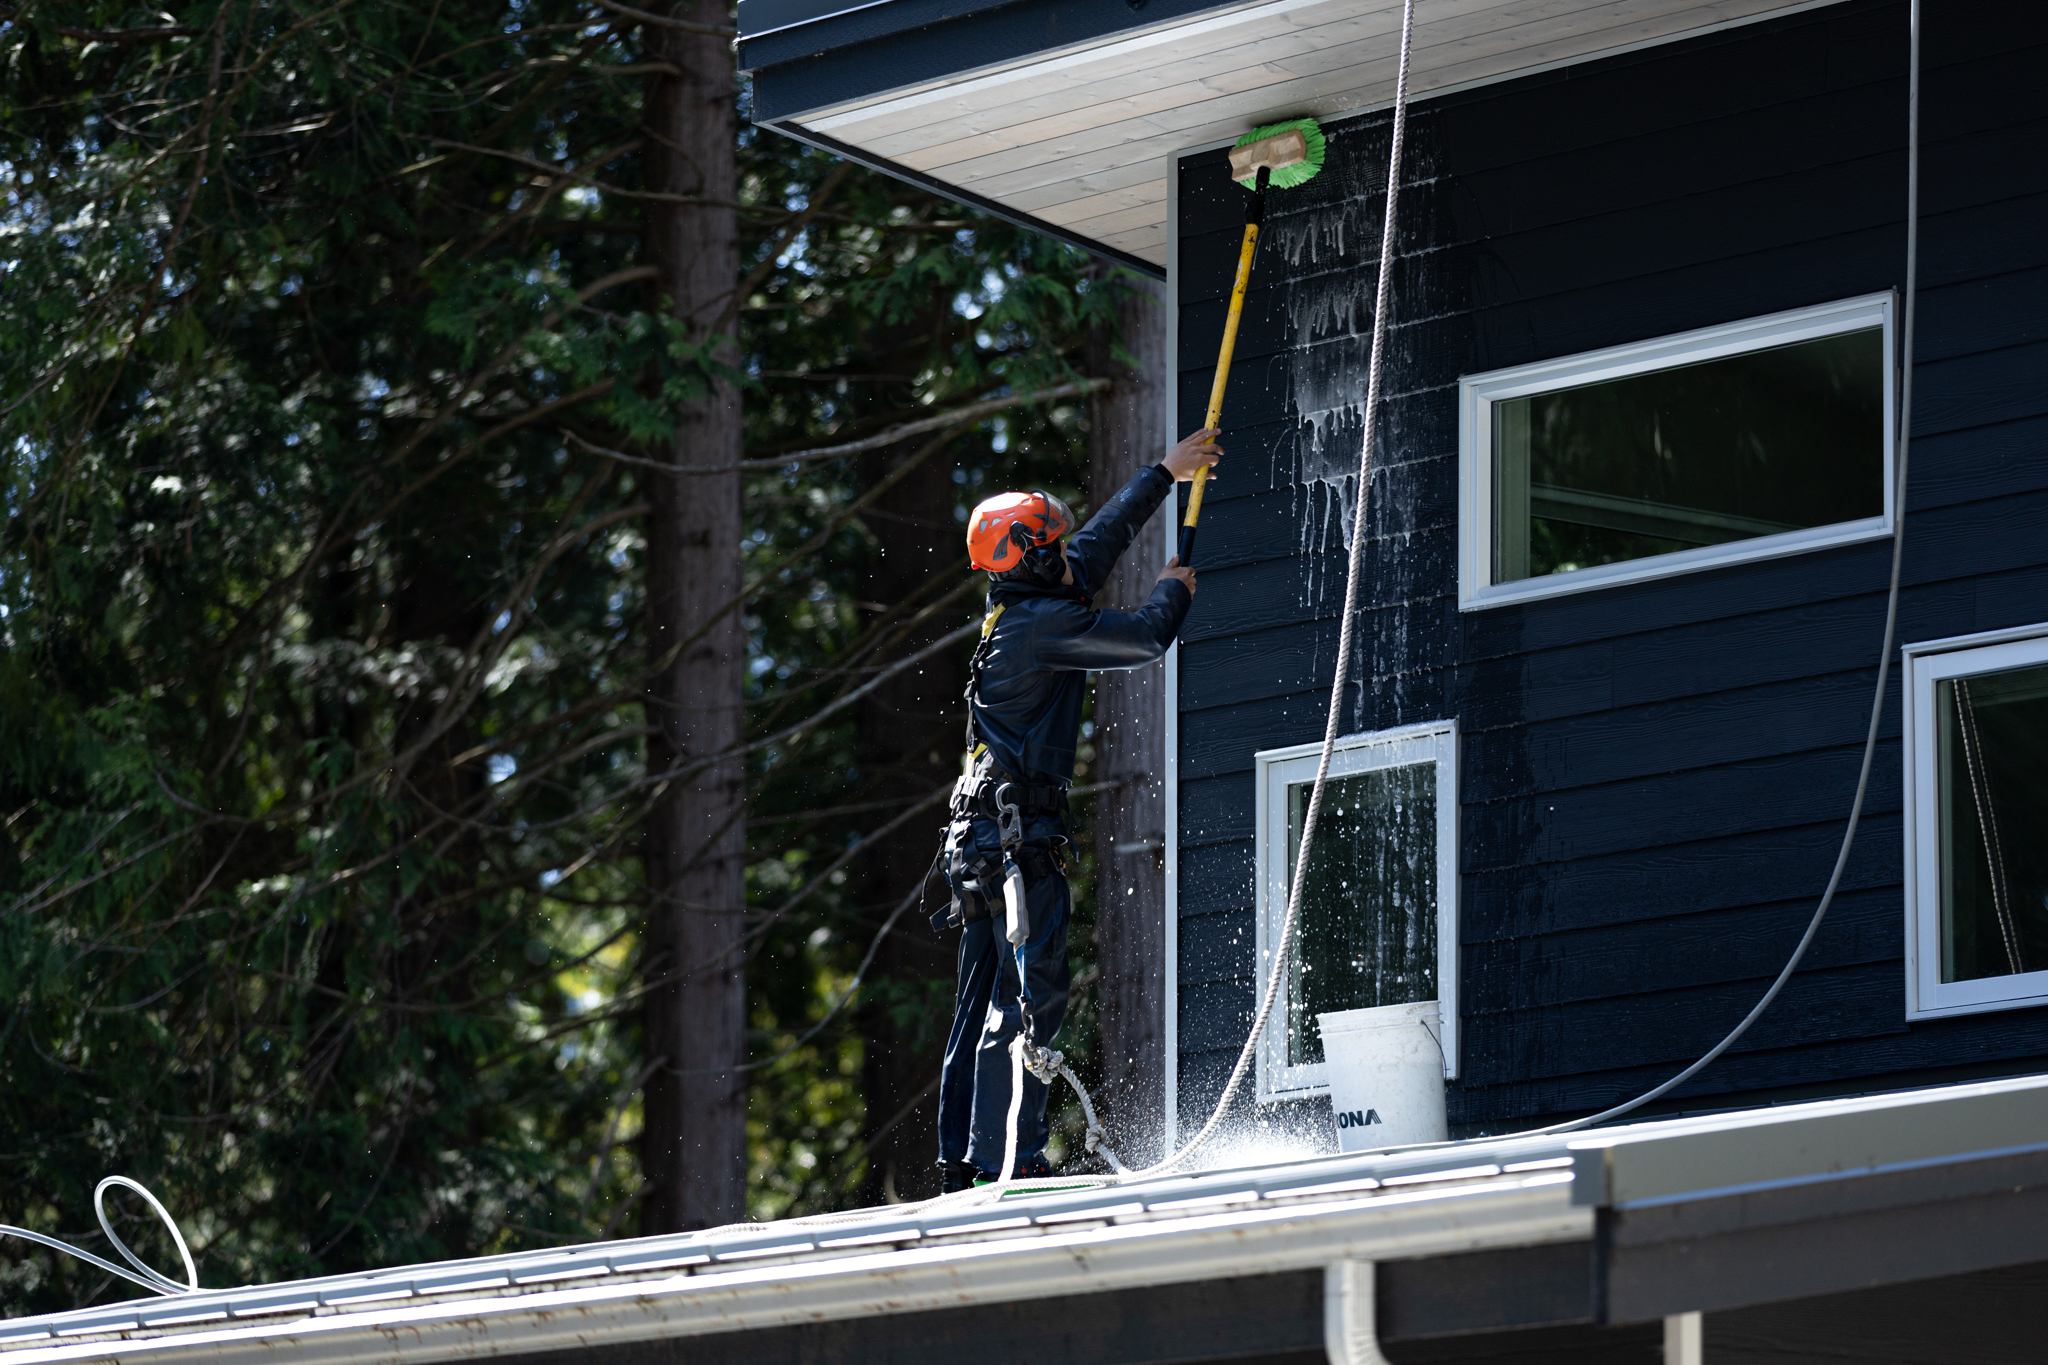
(1654, 777)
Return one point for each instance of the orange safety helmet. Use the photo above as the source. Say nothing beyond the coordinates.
(1004, 526)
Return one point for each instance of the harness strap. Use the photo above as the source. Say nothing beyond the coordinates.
(1029, 796)
(974, 665)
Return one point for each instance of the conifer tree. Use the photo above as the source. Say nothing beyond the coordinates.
(339, 374)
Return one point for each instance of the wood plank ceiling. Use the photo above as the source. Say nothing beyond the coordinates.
(1081, 138)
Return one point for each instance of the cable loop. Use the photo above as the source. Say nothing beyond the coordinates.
(148, 1278)
(161, 1282)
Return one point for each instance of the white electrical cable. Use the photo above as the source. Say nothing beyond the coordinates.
(1891, 615)
(147, 1278)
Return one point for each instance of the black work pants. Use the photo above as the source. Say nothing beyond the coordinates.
(974, 1086)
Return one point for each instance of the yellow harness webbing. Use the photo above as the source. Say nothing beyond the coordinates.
(976, 748)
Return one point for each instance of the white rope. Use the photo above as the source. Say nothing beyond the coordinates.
(147, 1278)
(1284, 948)
(1016, 1109)
(1095, 1138)
(1046, 1064)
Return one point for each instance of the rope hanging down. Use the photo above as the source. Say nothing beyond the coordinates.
(1284, 948)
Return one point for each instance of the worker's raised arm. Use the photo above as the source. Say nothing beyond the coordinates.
(1115, 639)
(1095, 548)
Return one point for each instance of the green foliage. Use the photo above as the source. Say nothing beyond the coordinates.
(278, 940)
(321, 656)
(888, 306)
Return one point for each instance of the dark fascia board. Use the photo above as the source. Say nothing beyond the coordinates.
(960, 196)
(1820, 1237)
(1161, 1325)
(1806, 1239)
(1506, 1289)
(851, 51)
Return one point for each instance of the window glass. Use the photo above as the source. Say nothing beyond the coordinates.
(1994, 823)
(1367, 929)
(1725, 450)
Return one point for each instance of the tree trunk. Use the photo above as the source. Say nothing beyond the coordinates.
(1128, 430)
(910, 730)
(693, 1146)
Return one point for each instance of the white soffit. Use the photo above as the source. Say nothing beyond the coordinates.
(1080, 138)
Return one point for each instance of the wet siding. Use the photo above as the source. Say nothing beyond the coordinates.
(1654, 776)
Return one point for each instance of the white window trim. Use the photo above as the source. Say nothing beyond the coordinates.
(1477, 394)
(1169, 399)
(1926, 664)
(1433, 741)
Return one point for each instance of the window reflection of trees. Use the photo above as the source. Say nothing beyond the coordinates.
(1994, 731)
(1724, 450)
(1367, 935)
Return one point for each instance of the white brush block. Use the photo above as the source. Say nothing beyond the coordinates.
(1282, 149)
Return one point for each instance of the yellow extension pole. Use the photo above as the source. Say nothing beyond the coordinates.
(1215, 414)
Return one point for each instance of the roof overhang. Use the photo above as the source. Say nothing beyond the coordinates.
(1064, 114)
(1621, 1225)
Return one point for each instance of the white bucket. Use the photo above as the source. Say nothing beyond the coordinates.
(1386, 1070)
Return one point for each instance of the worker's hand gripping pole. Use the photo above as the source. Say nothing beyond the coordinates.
(1254, 215)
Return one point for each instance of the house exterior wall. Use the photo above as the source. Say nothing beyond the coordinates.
(1653, 777)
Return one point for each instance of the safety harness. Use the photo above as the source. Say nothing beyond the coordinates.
(987, 790)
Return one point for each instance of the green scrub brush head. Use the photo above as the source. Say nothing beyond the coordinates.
(1293, 152)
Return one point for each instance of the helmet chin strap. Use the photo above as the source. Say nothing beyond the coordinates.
(1044, 565)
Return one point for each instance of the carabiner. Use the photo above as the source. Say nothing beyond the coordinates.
(1009, 820)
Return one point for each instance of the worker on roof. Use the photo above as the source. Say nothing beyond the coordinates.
(1040, 639)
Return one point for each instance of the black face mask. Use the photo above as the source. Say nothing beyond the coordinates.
(1043, 566)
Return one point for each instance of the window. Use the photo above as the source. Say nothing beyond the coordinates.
(1378, 921)
(1977, 842)
(1756, 439)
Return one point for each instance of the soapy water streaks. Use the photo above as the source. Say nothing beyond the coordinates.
(1335, 248)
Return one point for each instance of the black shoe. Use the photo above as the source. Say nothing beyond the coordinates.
(1033, 1167)
(955, 1176)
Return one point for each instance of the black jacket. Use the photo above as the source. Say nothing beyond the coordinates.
(1028, 709)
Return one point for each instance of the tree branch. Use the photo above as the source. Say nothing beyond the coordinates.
(664, 21)
(901, 432)
(565, 173)
(819, 198)
(126, 35)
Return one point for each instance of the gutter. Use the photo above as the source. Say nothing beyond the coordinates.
(1401, 1222)
(1659, 1218)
